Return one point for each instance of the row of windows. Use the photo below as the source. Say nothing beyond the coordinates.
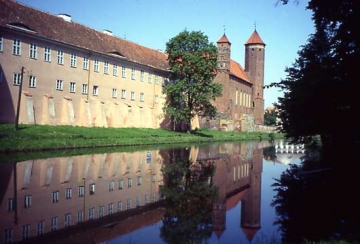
(81, 191)
(9, 233)
(33, 53)
(59, 85)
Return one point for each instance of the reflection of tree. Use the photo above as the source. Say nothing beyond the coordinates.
(188, 193)
(269, 153)
(314, 204)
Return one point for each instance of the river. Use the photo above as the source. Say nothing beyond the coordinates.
(213, 193)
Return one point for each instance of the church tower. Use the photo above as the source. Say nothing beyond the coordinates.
(254, 69)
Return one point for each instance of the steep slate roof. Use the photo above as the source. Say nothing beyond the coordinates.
(238, 71)
(52, 27)
(255, 39)
(223, 39)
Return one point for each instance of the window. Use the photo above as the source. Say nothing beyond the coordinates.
(86, 63)
(96, 65)
(47, 54)
(148, 157)
(40, 228)
(114, 93)
(146, 199)
(27, 201)
(141, 97)
(16, 79)
(81, 191)
(120, 184)
(1, 43)
(123, 72)
(129, 182)
(17, 47)
(92, 189)
(106, 67)
(142, 76)
(163, 81)
(54, 223)
(11, 205)
(95, 90)
(150, 78)
(111, 208)
(59, 85)
(156, 80)
(8, 234)
(33, 51)
(73, 60)
(67, 220)
(80, 216)
(133, 74)
(101, 211)
(137, 201)
(139, 180)
(119, 206)
(115, 71)
(123, 94)
(153, 198)
(32, 81)
(84, 89)
(128, 203)
(154, 178)
(156, 99)
(25, 232)
(111, 185)
(60, 57)
(68, 193)
(72, 87)
(132, 96)
(55, 197)
(91, 213)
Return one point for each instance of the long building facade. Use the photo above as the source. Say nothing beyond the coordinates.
(58, 72)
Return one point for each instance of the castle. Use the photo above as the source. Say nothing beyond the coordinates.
(57, 72)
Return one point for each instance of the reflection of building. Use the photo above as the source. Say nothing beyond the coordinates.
(41, 196)
(238, 177)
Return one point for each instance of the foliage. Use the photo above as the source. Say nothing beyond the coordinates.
(320, 87)
(191, 89)
(270, 117)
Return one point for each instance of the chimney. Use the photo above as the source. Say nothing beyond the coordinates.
(107, 32)
(65, 17)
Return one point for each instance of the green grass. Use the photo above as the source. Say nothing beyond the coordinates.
(44, 137)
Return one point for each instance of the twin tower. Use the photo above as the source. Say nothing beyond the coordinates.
(242, 88)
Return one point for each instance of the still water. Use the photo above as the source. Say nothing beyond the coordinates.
(218, 193)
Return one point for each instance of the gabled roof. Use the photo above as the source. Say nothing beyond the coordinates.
(223, 39)
(255, 39)
(238, 71)
(52, 27)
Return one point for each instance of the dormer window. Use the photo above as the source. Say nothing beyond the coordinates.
(21, 26)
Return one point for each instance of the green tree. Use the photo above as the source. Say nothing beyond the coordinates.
(270, 117)
(192, 59)
(320, 87)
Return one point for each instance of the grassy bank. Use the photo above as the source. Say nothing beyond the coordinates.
(44, 137)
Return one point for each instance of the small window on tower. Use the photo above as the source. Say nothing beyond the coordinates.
(259, 49)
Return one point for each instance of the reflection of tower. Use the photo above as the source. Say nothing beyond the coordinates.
(219, 205)
(250, 204)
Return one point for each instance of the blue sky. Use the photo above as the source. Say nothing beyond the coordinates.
(152, 23)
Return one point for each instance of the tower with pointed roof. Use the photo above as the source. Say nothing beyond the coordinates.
(254, 69)
(224, 51)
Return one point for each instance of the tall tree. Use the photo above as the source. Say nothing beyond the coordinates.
(320, 87)
(192, 59)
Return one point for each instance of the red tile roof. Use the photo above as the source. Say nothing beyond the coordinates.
(52, 27)
(238, 71)
(255, 39)
(223, 39)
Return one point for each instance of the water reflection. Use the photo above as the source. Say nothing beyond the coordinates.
(97, 198)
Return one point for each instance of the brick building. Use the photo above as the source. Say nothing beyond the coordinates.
(54, 71)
